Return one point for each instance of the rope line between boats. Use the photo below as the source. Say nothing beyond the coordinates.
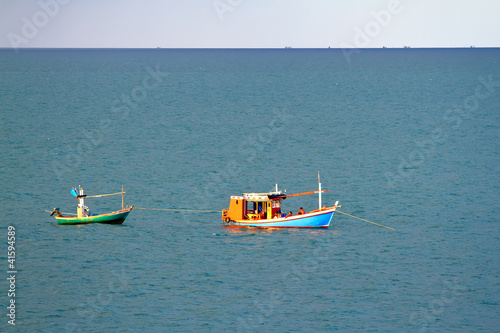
(181, 210)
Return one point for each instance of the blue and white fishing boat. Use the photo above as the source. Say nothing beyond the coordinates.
(264, 210)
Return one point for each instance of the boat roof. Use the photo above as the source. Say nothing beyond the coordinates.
(261, 196)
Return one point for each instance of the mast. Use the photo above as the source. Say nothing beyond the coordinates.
(122, 196)
(81, 205)
(319, 191)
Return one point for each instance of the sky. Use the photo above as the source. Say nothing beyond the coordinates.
(248, 23)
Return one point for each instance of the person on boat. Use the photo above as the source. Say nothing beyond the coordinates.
(289, 214)
(301, 211)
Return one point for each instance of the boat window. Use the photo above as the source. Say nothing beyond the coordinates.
(251, 205)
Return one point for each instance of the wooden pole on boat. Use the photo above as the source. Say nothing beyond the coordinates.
(103, 195)
(297, 194)
(122, 196)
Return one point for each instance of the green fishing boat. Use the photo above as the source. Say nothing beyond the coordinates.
(84, 216)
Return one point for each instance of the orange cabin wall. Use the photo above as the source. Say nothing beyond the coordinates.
(236, 209)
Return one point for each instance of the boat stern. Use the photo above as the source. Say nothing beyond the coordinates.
(236, 209)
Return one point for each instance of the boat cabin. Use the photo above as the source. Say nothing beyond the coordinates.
(254, 206)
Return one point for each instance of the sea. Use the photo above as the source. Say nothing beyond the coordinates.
(405, 138)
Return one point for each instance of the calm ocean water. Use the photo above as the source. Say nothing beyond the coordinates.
(405, 138)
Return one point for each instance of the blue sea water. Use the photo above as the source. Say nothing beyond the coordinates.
(406, 138)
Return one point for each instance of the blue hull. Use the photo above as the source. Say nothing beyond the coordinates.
(319, 219)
